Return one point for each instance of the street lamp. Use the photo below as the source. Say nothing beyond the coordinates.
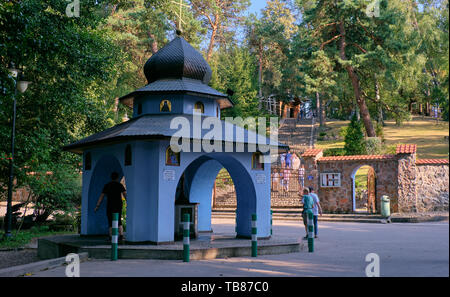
(19, 84)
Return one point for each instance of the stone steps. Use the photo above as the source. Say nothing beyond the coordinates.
(295, 214)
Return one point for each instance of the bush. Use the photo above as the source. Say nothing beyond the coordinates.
(334, 152)
(373, 145)
(354, 138)
(58, 191)
(380, 132)
(343, 131)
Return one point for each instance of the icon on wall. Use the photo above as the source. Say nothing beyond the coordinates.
(165, 106)
(172, 158)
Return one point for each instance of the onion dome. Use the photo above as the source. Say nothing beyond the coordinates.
(178, 59)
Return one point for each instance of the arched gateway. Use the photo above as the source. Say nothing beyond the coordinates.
(175, 102)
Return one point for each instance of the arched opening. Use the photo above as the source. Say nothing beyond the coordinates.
(199, 107)
(96, 223)
(197, 185)
(364, 189)
(87, 161)
(128, 155)
(224, 193)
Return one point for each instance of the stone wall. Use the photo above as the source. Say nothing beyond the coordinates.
(407, 183)
(432, 187)
(412, 185)
(339, 199)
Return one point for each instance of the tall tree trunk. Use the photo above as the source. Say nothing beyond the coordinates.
(378, 102)
(320, 109)
(260, 51)
(364, 111)
(212, 40)
(153, 43)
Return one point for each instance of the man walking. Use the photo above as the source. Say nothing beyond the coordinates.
(317, 209)
(308, 204)
(113, 191)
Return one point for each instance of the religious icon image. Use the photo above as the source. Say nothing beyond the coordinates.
(199, 108)
(172, 158)
(165, 106)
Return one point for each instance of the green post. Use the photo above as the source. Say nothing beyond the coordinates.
(310, 224)
(254, 237)
(186, 243)
(114, 236)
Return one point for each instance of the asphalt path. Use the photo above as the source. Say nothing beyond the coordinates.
(342, 249)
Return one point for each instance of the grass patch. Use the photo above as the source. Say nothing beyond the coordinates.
(25, 237)
(425, 132)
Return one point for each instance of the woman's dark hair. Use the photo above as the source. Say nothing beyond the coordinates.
(114, 175)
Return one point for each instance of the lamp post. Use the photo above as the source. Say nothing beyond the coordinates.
(21, 85)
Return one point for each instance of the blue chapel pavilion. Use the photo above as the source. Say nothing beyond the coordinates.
(157, 178)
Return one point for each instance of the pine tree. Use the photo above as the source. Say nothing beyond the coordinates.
(354, 139)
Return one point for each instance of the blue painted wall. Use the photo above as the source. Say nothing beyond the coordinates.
(181, 103)
(151, 197)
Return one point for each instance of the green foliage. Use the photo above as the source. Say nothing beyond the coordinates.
(235, 69)
(334, 152)
(380, 131)
(354, 139)
(73, 65)
(343, 131)
(373, 145)
(24, 237)
(58, 189)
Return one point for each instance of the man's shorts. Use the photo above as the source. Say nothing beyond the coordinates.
(305, 217)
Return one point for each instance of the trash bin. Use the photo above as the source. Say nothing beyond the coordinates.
(385, 206)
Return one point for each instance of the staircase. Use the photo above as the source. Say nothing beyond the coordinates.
(297, 134)
(294, 214)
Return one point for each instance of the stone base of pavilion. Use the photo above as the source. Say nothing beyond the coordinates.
(206, 246)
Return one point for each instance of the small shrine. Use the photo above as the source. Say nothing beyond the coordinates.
(162, 183)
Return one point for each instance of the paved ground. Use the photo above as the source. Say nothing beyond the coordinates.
(420, 249)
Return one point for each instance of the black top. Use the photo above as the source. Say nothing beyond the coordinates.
(113, 190)
(176, 60)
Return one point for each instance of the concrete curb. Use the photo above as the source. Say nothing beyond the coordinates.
(21, 270)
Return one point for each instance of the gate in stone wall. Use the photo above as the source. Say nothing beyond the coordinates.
(396, 176)
(412, 185)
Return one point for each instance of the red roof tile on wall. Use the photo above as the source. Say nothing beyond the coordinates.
(311, 152)
(356, 158)
(406, 149)
(432, 162)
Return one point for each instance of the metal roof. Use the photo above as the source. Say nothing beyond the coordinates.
(177, 59)
(183, 85)
(178, 67)
(157, 127)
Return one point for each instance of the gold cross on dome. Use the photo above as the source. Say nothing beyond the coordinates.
(180, 13)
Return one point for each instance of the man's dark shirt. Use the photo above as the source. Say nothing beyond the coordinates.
(113, 191)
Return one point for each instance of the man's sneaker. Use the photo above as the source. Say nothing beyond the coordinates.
(306, 237)
(315, 236)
